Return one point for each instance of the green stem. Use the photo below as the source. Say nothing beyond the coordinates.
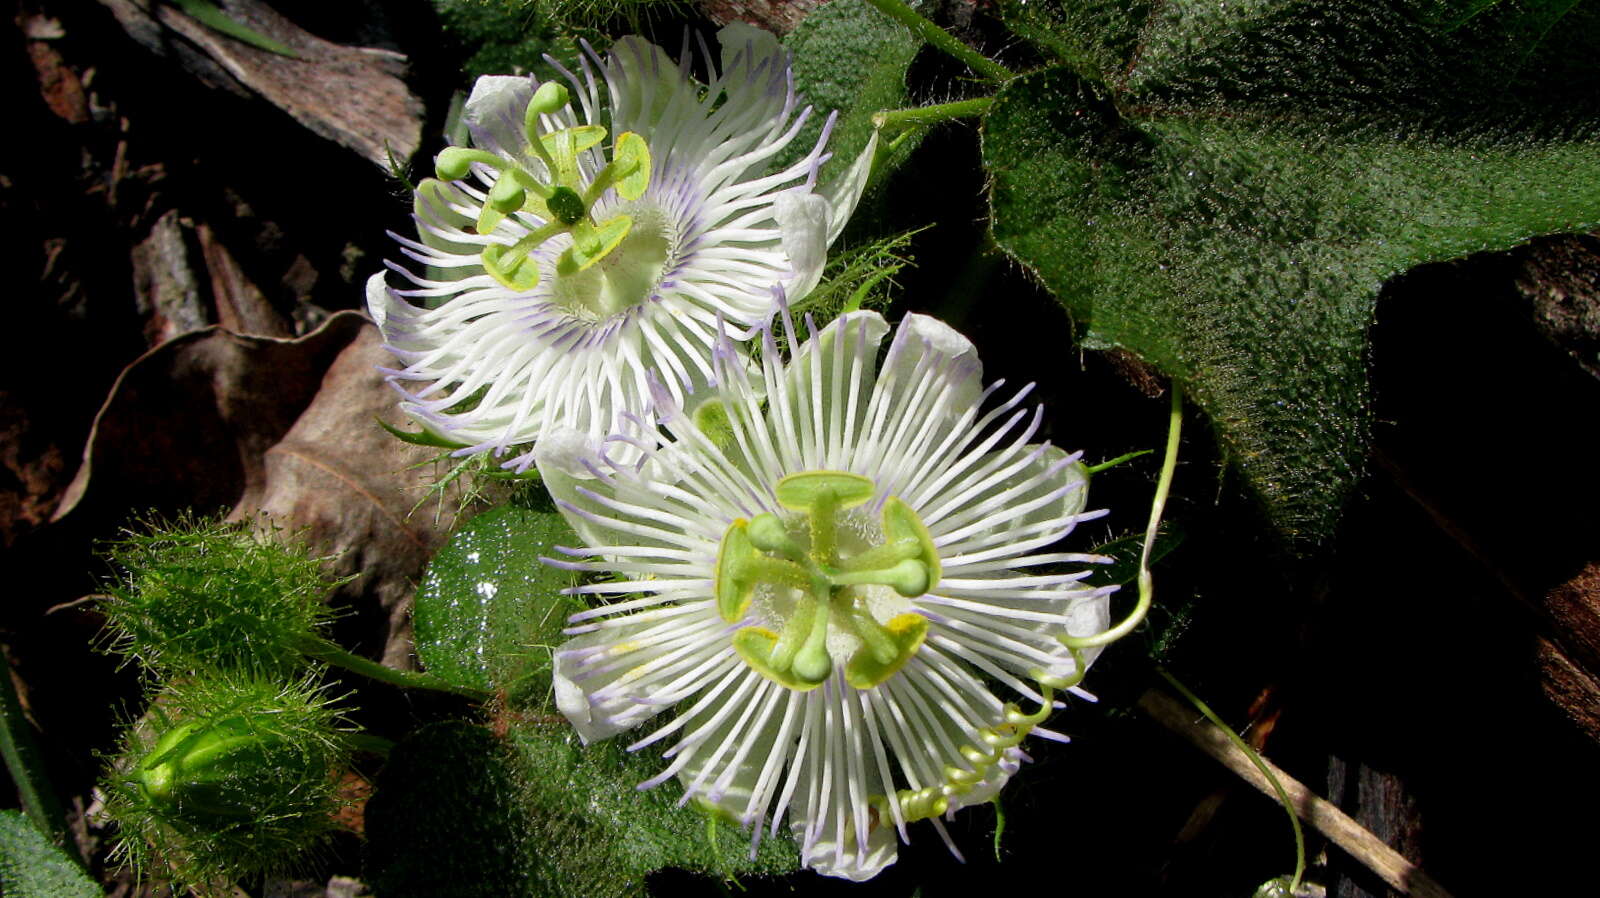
(944, 40)
(1106, 465)
(328, 653)
(26, 766)
(1169, 467)
(1277, 786)
(922, 116)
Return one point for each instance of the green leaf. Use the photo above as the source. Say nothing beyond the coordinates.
(851, 58)
(488, 612)
(610, 833)
(535, 814)
(1227, 203)
(420, 437)
(206, 13)
(510, 37)
(448, 793)
(1124, 552)
(31, 867)
(1094, 38)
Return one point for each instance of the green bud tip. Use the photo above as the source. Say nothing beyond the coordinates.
(228, 776)
(453, 163)
(507, 196)
(812, 664)
(549, 98)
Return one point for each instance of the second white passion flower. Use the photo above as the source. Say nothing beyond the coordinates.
(843, 587)
(603, 229)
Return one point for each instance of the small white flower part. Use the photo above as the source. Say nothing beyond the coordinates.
(829, 579)
(597, 231)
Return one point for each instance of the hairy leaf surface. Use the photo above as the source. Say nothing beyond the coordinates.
(1223, 190)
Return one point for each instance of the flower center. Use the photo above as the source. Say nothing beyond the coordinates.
(548, 182)
(625, 277)
(828, 585)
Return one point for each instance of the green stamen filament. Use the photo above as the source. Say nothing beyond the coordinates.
(794, 633)
(882, 556)
(874, 636)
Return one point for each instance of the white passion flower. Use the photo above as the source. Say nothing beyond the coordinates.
(571, 251)
(828, 580)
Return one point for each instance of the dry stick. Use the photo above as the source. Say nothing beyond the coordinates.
(1349, 835)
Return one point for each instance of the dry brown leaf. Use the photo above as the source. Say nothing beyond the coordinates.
(777, 16)
(353, 96)
(1560, 277)
(350, 489)
(166, 291)
(241, 307)
(187, 423)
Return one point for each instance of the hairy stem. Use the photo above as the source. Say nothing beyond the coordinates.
(26, 766)
(328, 653)
(922, 116)
(944, 40)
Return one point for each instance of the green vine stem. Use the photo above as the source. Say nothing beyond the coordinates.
(1169, 467)
(893, 120)
(1092, 470)
(1260, 764)
(944, 40)
(322, 650)
(25, 764)
(1358, 842)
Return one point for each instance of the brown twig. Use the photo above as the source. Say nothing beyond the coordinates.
(1388, 864)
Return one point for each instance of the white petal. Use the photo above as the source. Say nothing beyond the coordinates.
(844, 192)
(573, 701)
(378, 299)
(824, 856)
(495, 109)
(803, 217)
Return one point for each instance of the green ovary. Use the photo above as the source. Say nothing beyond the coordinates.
(829, 583)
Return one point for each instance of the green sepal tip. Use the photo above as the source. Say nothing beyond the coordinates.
(419, 438)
